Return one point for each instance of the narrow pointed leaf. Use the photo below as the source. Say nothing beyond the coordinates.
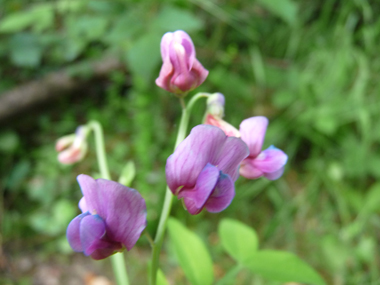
(192, 254)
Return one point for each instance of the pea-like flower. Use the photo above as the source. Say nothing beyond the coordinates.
(73, 148)
(268, 163)
(113, 218)
(181, 72)
(203, 168)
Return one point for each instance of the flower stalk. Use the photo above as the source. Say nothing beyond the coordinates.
(117, 260)
(184, 122)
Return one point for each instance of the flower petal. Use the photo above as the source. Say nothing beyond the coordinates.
(191, 156)
(248, 170)
(227, 128)
(252, 132)
(275, 175)
(73, 233)
(82, 205)
(92, 229)
(222, 195)
(234, 150)
(167, 38)
(196, 197)
(270, 160)
(125, 212)
(122, 208)
(269, 163)
(94, 199)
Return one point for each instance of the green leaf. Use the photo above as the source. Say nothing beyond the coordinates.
(161, 279)
(192, 254)
(25, 50)
(128, 173)
(144, 55)
(283, 267)
(9, 141)
(171, 19)
(239, 240)
(371, 202)
(285, 9)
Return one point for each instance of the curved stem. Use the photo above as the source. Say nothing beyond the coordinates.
(168, 194)
(100, 149)
(117, 260)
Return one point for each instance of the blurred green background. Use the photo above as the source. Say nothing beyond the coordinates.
(311, 67)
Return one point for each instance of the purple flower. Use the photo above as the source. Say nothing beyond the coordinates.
(181, 72)
(270, 162)
(203, 168)
(113, 217)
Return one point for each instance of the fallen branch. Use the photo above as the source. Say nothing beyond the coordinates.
(54, 85)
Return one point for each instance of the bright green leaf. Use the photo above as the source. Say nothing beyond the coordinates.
(283, 267)
(192, 254)
(239, 240)
(161, 279)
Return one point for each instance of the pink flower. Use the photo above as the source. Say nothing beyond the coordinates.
(181, 72)
(72, 148)
(269, 163)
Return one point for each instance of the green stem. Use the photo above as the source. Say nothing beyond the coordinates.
(230, 276)
(100, 149)
(117, 260)
(168, 194)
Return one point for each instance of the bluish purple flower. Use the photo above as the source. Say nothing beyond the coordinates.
(113, 218)
(269, 163)
(203, 168)
(181, 72)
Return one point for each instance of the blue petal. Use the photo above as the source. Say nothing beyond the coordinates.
(222, 195)
(73, 233)
(196, 197)
(92, 229)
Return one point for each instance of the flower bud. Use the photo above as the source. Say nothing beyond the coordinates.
(215, 113)
(181, 72)
(72, 148)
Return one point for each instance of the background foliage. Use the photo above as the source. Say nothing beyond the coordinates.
(311, 67)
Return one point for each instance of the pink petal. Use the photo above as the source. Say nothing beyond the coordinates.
(252, 132)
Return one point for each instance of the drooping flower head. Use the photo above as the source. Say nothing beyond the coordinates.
(73, 148)
(269, 162)
(203, 168)
(181, 72)
(113, 218)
